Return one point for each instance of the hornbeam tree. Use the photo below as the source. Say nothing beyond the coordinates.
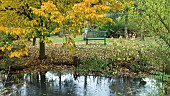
(47, 17)
(42, 18)
(14, 42)
(13, 28)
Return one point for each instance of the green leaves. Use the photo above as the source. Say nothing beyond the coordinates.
(152, 16)
(69, 44)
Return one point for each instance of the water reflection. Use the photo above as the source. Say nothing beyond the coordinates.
(57, 83)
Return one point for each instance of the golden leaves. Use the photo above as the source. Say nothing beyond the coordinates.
(14, 53)
(46, 40)
(4, 29)
(9, 47)
(15, 41)
(89, 10)
(19, 53)
(48, 7)
(101, 8)
(56, 30)
(17, 31)
(69, 44)
(109, 20)
(13, 31)
(71, 19)
(2, 48)
(116, 5)
(49, 11)
(38, 12)
(91, 1)
(85, 11)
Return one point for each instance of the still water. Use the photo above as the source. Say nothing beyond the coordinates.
(64, 83)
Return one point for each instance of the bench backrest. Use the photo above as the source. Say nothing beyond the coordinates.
(96, 34)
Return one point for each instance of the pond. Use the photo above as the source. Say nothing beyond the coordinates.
(64, 83)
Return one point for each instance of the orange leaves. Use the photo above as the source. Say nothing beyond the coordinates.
(101, 8)
(13, 31)
(57, 18)
(89, 10)
(9, 48)
(17, 31)
(91, 1)
(79, 8)
(15, 42)
(56, 30)
(6, 47)
(19, 53)
(109, 20)
(2, 48)
(15, 54)
(38, 12)
(4, 29)
(49, 10)
(131, 3)
(48, 7)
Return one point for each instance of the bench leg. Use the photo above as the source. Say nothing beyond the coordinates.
(86, 41)
(104, 41)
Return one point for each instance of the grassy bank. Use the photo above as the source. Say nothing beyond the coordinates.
(119, 56)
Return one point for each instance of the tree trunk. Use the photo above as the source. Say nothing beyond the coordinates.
(42, 50)
(29, 39)
(43, 84)
(142, 36)
(60, 82)
(34, 41)
(126, 23)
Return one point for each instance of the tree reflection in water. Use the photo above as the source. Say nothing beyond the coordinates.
(58, 83)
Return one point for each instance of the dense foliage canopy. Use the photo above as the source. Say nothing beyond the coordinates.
(25, 19)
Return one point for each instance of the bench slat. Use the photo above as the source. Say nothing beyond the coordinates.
(95, 38)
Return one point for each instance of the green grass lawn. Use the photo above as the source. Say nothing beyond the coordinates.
(79, 39)
(62, 39)
(148, 43)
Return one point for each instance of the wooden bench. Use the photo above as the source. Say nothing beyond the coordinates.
(96, 35)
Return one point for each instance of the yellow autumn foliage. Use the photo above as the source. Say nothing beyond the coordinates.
(17, 31)
(56, 30)
(69, 16)
(19, 53)
(9, 47)
(91, 1)
(48, 7)
(2, 48)
(4, 29)
(13, 31)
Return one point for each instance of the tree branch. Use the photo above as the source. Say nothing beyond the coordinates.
(162, 21)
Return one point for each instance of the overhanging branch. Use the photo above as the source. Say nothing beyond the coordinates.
(162, 21)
